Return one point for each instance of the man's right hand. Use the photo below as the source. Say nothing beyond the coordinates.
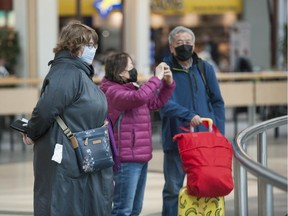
(196, 121)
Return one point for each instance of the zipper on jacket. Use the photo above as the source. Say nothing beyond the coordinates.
(133, 137)
(190, 73)
(196, 85)
(133, 142)
(191, 86)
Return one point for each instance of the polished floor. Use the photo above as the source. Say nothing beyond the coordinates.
(16, 176)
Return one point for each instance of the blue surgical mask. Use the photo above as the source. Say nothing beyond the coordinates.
(88, 55)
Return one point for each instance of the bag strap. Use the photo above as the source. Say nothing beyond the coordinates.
(67, 132)
(117, 125)
(185, 129)
(214, 127)
(116, 159)
(118, 120)
(201, 68)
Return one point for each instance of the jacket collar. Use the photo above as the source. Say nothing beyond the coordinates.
(65, 56)
(174, 64)
(105, 84)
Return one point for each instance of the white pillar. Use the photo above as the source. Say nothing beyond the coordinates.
(21, 26)
(137, 33)
(47, 33)
(37, 24)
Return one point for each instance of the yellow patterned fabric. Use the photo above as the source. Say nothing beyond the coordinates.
(199, 206)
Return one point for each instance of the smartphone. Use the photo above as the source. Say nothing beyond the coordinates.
(19, 125)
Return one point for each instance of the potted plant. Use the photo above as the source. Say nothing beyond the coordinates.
(9, 48)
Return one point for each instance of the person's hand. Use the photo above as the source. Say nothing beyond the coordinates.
(159, 70)
(27, 140)
(196, 121)
(168, 77)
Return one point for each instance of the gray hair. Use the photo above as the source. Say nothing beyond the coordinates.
(178, 29)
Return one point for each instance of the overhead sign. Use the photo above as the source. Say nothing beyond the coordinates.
(69, 8)
(104, 7)
(162, 7)
(180, 7)
(88, 7)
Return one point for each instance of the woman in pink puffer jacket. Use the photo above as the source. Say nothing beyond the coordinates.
(129, 107)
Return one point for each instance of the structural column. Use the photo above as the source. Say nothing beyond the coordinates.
(37, 24)
(47, 33)
(21, 25)
(136, 33)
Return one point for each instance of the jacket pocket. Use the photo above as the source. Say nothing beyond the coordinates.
(69, 165)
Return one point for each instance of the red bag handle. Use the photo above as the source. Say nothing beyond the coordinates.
(207, 122)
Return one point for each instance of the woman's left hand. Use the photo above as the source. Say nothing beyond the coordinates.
(27, 140)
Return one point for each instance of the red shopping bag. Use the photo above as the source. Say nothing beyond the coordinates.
(207, 161)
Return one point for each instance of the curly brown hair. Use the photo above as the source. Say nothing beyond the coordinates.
(114, 65)
(73, 36)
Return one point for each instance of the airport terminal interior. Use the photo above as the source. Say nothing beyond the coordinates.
(226, 31)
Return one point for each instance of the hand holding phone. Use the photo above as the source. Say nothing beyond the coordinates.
(20, 125)
(159, 71)
(168, 77)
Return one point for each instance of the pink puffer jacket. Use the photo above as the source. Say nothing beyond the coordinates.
(135, 104)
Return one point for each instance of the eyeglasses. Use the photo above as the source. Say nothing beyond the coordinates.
(92, 45)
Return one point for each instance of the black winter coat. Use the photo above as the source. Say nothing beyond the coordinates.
(60, 188)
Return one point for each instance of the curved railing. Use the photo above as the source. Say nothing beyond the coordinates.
(266, 177)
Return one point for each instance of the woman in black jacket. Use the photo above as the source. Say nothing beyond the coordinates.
(68, 90)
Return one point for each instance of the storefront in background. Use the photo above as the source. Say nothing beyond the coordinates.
(209, 20)
(136, 32)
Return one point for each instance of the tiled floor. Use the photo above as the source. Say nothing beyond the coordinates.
(16, 177)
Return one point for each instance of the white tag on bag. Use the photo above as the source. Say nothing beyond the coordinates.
(57, 156)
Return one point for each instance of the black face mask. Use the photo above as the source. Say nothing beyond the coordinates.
(184, 52)
(132, 75)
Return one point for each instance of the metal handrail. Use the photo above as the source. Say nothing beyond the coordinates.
(255, 167)
(266, 177)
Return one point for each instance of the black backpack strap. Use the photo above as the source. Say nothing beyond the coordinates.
(201, 68)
